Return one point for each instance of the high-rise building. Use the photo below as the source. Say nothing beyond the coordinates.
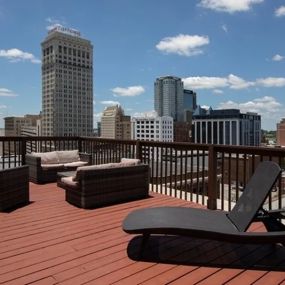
(280, 133)
(67, 84)
(189, 104)
(168, 97)
(114, 124)
(226, 126)
(171, 99)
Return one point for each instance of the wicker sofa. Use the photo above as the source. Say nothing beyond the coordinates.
(43, 166)
(99, 185)
(14, 187)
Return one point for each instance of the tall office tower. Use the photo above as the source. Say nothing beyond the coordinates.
(168, 97)
(67, 84)
(189, 104)
(114, 124)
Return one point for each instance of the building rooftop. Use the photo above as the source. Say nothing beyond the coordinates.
(52, 242)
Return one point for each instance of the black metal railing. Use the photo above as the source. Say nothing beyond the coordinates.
(211, 175)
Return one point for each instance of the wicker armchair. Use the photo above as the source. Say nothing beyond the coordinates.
(14, 187)
(99, 187)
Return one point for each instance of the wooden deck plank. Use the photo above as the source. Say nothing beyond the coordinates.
(52, 242)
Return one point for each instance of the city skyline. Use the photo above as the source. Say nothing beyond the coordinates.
(231, 53)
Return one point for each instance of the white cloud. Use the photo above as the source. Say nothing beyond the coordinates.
(271, 82)
(229, 6)
(264, 106)
(4, 92)
(110, 102)
(185, 45)
(53, 23)
(204, 82)
(15, 55)
(280, 11)
(218, 91)
(205, 107)
(3, 107)
(97, 117)
(128, 91)
(231, 81)
(225, 28)
(236, 82)
(278, 57)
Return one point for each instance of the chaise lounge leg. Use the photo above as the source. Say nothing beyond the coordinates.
(145, 239)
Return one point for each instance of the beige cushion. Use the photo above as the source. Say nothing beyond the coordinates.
(65, 156)
(98, 166)
(69, 181)
(51, 166)
(47, 157)
(93, 167)
(75, 164)
(130, 161)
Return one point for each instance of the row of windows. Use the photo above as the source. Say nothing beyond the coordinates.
(67, 50)
(152, 122)
(50, 69)
(73, 51)
(152, 127)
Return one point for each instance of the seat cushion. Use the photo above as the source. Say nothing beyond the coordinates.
(130, 161)
(52, 166)
(69, 181)
(66, 156)
(75, 164)
(93, 167)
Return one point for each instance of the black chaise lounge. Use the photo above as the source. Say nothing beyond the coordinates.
(218, 225)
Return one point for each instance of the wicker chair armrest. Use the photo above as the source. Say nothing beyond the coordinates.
(33, 160)
(87, 157)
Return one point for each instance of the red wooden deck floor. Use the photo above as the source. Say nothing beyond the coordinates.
(52, 242)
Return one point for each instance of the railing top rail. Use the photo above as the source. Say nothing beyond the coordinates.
(254, 150)
(36, 138)
(180, 146)
(104, 140)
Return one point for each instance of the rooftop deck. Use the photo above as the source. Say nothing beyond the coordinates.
(52, 242)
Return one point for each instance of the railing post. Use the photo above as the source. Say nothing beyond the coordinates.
(79, 144)
(23, 150)
(212, 176)
(138, 150)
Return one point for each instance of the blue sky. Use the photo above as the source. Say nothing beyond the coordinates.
(231, 52)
